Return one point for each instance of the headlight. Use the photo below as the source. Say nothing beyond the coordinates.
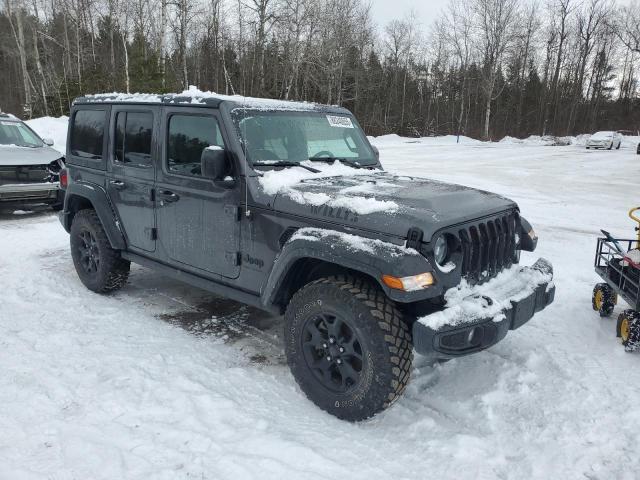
(440, 250)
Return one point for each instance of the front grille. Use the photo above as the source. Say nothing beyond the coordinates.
(488, 247)
(22, 174)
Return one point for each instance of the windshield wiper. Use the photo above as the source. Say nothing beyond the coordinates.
(283, 163)
(346, 161)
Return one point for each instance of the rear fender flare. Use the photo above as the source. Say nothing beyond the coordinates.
(97, 196)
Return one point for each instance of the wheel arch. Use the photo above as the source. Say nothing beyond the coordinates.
(81, 196)
(303, 260)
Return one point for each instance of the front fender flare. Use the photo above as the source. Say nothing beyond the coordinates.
(97, 196)
(368, 256)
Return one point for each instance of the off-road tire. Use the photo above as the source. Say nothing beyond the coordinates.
(603, 299)
(385, 339)
(112, 270)
(628, 329)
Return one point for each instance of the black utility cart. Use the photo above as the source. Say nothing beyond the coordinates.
(617, 262)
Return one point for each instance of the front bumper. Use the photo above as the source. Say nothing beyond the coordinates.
(471, 330)
(29, 193)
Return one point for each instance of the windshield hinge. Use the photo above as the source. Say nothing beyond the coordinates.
(414, 238)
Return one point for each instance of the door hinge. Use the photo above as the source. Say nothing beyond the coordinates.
(152, 195)
(233, 211)
(233, 258)
(154, 233)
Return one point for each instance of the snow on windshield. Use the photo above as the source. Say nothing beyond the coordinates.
(359, 198)
(602, 135)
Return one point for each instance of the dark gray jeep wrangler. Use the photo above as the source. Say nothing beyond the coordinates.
(285, 206)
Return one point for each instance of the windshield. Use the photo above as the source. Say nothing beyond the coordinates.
(602, 135)
(294, 137)
(17, 133)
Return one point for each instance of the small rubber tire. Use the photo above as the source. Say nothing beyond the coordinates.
(603, 299)
(383, 336)
(628, 329)
(619, 145)
(56, 207)
(610, 146)
(111, 270)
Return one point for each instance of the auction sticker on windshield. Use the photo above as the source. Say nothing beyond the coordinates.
(342, 122)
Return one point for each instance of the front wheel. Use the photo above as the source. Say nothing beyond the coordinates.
(100, 267)
(347, 346)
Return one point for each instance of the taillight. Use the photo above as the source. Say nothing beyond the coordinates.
(64, 179)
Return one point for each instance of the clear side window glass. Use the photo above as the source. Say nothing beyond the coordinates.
(133, 134)
(188, 136)
(88, 133)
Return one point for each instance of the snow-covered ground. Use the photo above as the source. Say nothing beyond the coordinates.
(163, 381)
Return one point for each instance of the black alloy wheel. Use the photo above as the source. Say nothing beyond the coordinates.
(332, 352)
(89, 255)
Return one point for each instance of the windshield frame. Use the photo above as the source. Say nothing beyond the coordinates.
(238, 113)
(21, 124)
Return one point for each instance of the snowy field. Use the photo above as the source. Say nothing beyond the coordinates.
(163, 381)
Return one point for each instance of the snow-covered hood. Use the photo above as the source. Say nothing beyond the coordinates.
(388, 203)
(15, 155)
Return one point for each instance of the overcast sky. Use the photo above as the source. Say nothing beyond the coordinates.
(427, 10)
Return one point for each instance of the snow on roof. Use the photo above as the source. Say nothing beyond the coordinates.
(194, 96)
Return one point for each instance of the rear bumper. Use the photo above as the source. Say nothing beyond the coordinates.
(466, 336)
(29, 193)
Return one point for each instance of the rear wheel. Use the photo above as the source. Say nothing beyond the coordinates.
(628, 329)
(100, 267)
(603, 299)
(347, 346)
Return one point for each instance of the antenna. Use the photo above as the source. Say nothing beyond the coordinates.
(247, 212)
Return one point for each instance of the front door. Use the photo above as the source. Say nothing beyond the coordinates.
(198, 220)
(131, 181)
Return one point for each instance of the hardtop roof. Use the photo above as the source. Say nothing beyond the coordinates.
(196, 97)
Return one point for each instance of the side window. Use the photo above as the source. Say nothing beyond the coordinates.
(87, 133)
(133, 138)
(188, 135)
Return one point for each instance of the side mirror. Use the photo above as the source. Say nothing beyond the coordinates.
(376, 151)
(48, 142)
(213, 162)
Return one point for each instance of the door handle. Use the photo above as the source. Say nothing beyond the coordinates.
(117, 184)
(168, 196)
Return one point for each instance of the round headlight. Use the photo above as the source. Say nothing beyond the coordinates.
(440, 250)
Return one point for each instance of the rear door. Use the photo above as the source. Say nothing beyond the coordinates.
(198, 220)
(132, 172)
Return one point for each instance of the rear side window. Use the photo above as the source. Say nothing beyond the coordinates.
(188, 136)
(88, 133)
(133, 138)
